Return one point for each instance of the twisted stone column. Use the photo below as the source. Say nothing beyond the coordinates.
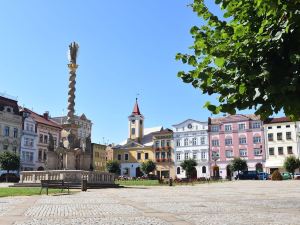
(71, 93)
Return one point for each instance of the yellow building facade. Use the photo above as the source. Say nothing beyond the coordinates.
(138, 147)
(99, 157)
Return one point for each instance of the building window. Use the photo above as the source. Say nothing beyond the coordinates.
(146, 155)
(168, 143)
(194, 155)
(202, 140)
(228, 128)
(178, 142)
(163, 143)
(242, 126)
(55, 141)
(157, 144)
(215, 142)
(203, 155)
(287, 126)
(5, 147)
(194, 141)
(186, 155)
(290, 149)
(40, 156)
(278, 127)
(243, 152)
(119, 157)
(256, 139)
(163, 155)
(228, 141)
(203, 169)
(15, 133)
(178, 170)
(45, 139)
(215, 128)
(186, 142)
(97, 155)
(133, 121)
(45, 155)
(242, 140)
(157, 155)
(133, 131)
(271, 151)
(178, 156)
(270, 137)
(288, 136)
(126, 156)
(280, 150)
(229, 153)
(6, 131)
(15, 149)
(255, 125)
(269, 128)
(257, 152)
(169, 155)
(279, 136)
(139, 156)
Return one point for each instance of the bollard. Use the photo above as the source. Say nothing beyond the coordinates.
(170, 181)
(83, 185)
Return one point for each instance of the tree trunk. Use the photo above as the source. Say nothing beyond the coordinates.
(7, 176)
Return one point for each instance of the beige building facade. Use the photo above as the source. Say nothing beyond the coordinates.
(98, 157)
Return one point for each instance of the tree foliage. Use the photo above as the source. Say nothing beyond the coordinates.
(189, 166)
(9, 161)
(238, 164)
(148, 166)
(291, 163)
(113, 167)
(250, 59)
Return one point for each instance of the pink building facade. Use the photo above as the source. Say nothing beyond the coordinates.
(236, 136)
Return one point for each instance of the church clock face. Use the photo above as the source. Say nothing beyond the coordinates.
(190, 126)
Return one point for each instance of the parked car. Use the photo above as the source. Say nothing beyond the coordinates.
(263, 176)
(247, 175)
(10, 176)
(297, 176)
(286, 176)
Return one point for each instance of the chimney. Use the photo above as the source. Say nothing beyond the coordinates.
(46, 115)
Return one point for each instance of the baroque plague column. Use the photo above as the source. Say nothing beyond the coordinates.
(73, 152)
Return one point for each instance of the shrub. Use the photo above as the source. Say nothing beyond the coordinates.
(276, 175)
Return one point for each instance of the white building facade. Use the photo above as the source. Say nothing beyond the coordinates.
(282, 140)
(29, 140)
(191, 142)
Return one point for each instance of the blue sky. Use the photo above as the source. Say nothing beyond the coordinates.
(126, 47)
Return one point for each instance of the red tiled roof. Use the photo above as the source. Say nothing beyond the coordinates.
(278, 120)
(9, 102)
(164, 131)
(234, 118)
(41, 119)
(136, 110)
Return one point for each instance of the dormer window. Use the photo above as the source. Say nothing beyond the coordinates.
(133, 121)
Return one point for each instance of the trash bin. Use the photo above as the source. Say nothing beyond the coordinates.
(83, 185)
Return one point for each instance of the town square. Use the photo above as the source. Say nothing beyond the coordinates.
(139, 112)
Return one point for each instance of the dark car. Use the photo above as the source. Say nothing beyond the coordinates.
(247, 175)
(263, 176)
(11, 177)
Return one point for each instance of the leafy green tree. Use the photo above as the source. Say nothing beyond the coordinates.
(9, 161)
(238, 164)
(291, 163)
(113, 166)
(148, 166)
(189, 166)
(250, 59)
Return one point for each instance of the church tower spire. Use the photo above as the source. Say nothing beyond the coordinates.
(136, 124)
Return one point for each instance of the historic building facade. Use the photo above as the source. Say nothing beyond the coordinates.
(138, 146)
(98, 157)
(29, 140)
(10, 125)
(282, 140)
(164, 153)
(236, 136)
(191, 142)
(48, 133)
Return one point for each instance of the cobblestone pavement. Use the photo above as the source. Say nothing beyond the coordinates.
(237, 202)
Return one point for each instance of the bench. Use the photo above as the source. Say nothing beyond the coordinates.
(54, 184)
